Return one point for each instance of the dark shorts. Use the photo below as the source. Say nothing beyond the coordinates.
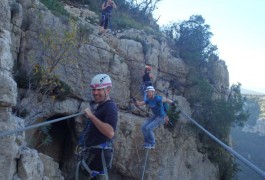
(104, 22)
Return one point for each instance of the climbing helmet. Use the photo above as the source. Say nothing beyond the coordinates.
(100, 81)
(150, 88)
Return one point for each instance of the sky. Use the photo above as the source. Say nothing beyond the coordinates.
(238, 28)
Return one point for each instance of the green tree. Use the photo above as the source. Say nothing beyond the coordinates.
(218, 116)
(193, 39)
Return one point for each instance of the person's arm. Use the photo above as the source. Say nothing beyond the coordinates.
(104, 6)
(104, 128)
(167, 100)
(139, 103)
(114, 5)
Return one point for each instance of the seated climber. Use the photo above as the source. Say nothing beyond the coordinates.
(155, 102)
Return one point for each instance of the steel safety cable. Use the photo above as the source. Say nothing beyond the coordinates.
(229, 149)
(6, 133)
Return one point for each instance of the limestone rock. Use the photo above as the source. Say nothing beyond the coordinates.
(9, 150)
(51, 168)
(5, 15)
(175, 155)
(30, 166)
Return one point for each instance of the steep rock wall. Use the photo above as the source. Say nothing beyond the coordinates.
(122, 55)
(8, 95)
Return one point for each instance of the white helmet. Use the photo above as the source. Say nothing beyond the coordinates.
(150, 88)
(100, 81)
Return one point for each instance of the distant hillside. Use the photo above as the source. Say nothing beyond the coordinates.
(250, 92)
(250, 144)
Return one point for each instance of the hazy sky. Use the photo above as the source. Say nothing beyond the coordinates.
(239, 33)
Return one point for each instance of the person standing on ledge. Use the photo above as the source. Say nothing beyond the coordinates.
(106, 8)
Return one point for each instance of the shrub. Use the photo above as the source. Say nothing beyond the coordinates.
(56, 7)
(44, 83)
(173, 115)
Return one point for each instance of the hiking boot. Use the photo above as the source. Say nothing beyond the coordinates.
(149, 146)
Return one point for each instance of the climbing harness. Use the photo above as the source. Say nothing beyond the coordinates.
(145, 162)
(85, 157)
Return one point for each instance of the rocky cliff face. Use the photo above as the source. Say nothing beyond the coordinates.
(28, 32)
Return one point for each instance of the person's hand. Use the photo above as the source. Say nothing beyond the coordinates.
(88, 112)
(174, 103)
(133, 100)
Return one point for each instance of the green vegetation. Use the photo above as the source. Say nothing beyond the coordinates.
(130, 13)
(192, 38)
(38, 75)
(217, 114)
(173, 115)
(59, 46)
(40, 81)
(46, 137)
(56, 7)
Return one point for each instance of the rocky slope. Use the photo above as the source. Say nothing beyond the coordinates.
(28, 31)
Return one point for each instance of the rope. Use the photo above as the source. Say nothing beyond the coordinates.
(241, 158)
(146, 155)
(6, 133)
